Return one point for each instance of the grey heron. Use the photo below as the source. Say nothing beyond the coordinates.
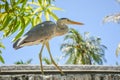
(42, 33)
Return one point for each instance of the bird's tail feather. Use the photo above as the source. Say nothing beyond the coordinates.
(19, 42)
(15, 45)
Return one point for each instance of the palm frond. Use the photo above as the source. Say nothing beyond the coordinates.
(68, 36)
(29, 61)
(65, 45)
(118, 50)
(76, 34)
(83, 50)
(112, 18)
(22, 62)
(47, 61)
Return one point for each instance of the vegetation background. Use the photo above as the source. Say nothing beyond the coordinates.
(19, 16)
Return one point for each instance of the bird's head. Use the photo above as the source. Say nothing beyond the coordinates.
(68, 21)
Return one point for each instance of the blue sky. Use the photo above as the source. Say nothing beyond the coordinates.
(91, 13)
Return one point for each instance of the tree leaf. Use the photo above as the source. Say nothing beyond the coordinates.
(47, 61)
(19, 35)
(2, 46)
(17, 24)
(47, 15)
(1, 59)
(36, 20)
(38, 10)
(22, 21)
(49, 1)
(44, 3)
(2, 6)
(29, 61)
(40, 16)
(37, 4)
(22, 62)
(23, 3)
(32, 0)
(9, 28)
(40, 2)
(32, 21)
(55, 8)
(53, 15)
(2, 17)
(12, 2)
(27, 21)
(6, 6)
(6, 21)
(118, 50)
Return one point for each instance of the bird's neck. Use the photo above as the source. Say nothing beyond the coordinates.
(61, 29)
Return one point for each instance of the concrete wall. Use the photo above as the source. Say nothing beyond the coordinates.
(76, 72)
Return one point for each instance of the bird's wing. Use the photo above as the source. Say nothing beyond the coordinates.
(39, 33)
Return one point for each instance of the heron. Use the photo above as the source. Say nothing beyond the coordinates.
(42, 33)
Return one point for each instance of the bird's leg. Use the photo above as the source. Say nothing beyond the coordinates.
(40, 58)
(52, 60)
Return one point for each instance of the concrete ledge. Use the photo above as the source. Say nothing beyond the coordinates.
(72, 72)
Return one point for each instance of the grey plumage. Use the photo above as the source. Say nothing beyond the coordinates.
(36, 35)
(42, 32)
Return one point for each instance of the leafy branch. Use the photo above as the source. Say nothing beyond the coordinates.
(1, 58)
(17, 15)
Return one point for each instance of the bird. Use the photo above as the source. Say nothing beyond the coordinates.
(42, 33)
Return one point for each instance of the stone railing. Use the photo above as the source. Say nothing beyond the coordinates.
(71, 72)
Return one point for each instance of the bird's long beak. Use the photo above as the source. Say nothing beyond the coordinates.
(77, 23)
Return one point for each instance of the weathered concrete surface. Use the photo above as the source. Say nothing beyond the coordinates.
(76, 72)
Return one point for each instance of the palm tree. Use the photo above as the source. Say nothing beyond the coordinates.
(82, 50)
(114, 18)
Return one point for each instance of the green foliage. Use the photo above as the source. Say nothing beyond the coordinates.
(118, 50)
(48, 61)
(22, 62)
(82, 50)
(1, 58)
(16, 15)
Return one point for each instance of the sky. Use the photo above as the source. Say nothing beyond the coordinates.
(89, 12)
